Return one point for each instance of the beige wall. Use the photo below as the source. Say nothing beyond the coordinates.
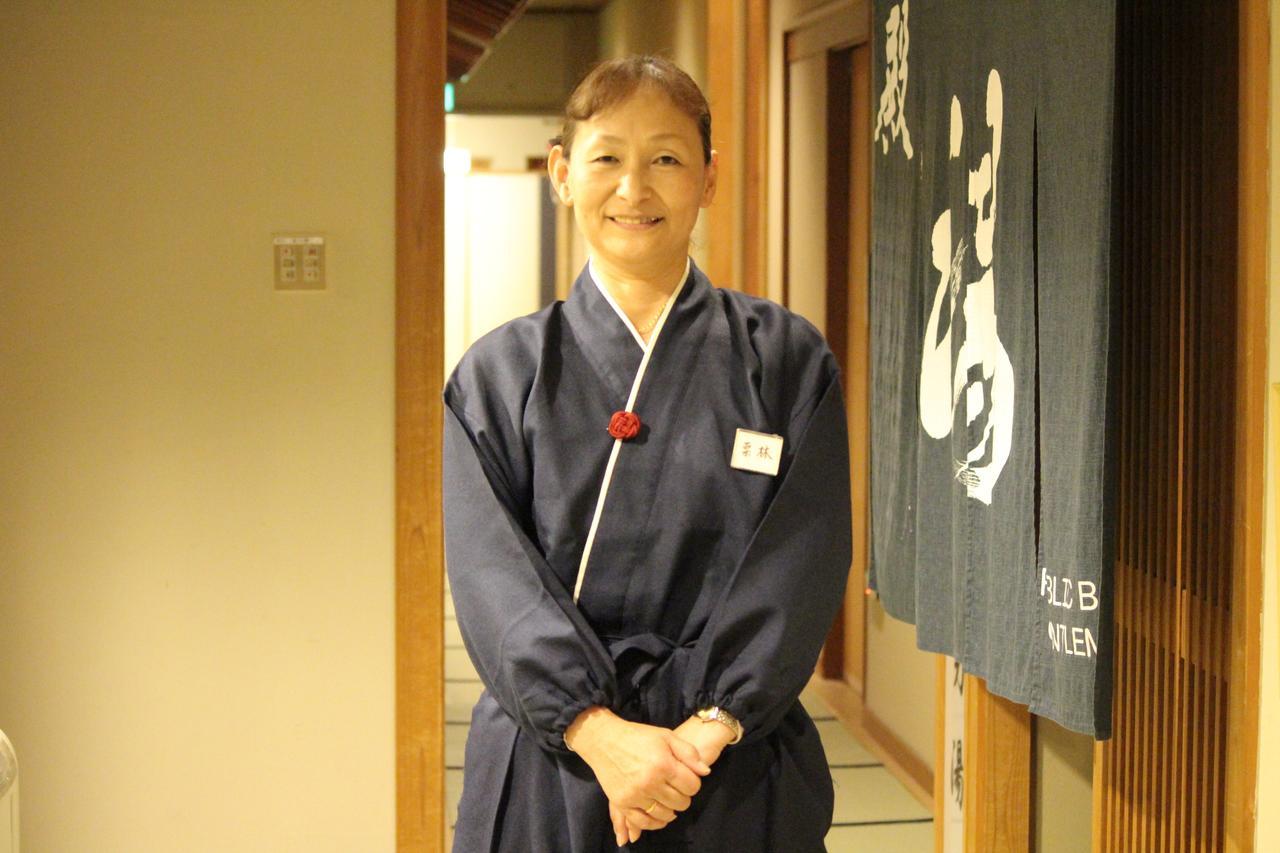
(1268, 837)
(1062, 789)
(900, 682)
(806, 269)
(196, 616)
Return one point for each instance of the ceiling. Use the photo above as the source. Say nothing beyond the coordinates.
(474, 25)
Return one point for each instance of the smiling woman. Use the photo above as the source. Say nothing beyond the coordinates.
(639, 132)
(646, 519)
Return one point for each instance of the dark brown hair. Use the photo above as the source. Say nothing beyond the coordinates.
(615, 80)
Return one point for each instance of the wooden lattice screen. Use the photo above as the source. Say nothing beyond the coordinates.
(1160, 783)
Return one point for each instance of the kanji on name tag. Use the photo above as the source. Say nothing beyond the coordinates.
(756, 451)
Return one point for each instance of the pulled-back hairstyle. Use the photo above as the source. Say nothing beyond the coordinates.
(615, 80)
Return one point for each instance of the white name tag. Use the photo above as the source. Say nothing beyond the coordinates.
(756, 451)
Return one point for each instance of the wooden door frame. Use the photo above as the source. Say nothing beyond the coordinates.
(419, 409)
(738, 90)
(1251, 401)
(846, 193)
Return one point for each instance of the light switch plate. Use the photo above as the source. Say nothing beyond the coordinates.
(299, 261)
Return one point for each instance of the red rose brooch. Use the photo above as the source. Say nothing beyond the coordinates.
(624, 425)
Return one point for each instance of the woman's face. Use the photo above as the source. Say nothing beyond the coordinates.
(636, 181)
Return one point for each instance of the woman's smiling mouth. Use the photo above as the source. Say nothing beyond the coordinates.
(635, 223)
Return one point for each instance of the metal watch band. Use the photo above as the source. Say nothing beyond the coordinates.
(717, 714)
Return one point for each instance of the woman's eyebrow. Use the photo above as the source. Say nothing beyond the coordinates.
(610, 138)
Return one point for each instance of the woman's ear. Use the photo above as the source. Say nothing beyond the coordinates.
(558, 172)
(709, 179)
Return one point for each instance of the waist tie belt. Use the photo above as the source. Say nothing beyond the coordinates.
(650, 670)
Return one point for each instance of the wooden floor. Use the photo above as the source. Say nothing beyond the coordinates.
(873, 811)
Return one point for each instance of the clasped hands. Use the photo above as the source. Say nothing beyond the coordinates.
(649, 773)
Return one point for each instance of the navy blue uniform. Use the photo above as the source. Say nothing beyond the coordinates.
(706, 584)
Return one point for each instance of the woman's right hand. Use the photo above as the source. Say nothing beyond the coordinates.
(647, 772)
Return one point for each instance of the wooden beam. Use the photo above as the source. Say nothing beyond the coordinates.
(1102, 819)
(1251, 390)
(940, 747)
(419, 569)
(725, 61)
(997, 772)
(857, 367)
(755, 150)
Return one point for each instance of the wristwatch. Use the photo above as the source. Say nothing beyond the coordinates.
(719, 715)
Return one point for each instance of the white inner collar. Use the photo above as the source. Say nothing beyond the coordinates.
(591, 270)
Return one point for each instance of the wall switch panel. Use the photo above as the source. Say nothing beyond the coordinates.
(299, 262)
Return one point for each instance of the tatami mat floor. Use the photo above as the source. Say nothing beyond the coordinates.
(873, 811)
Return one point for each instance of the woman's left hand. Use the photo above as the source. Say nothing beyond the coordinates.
(710, 738)
(629, 824)
(623, 831)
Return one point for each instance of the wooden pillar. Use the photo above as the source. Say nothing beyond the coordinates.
(419, 595)
(997, 772)
(737, 89)
(755, 150)
(1251, 390)
(725, 64)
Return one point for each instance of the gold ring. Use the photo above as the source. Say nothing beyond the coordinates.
(651, 807)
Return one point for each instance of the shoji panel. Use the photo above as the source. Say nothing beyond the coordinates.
(1160, 782)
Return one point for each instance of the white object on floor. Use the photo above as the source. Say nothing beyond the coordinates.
(8, 796)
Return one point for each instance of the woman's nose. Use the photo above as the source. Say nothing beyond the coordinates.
(633, 185)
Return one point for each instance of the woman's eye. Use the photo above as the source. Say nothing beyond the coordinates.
(668, 160)
(606, 158)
